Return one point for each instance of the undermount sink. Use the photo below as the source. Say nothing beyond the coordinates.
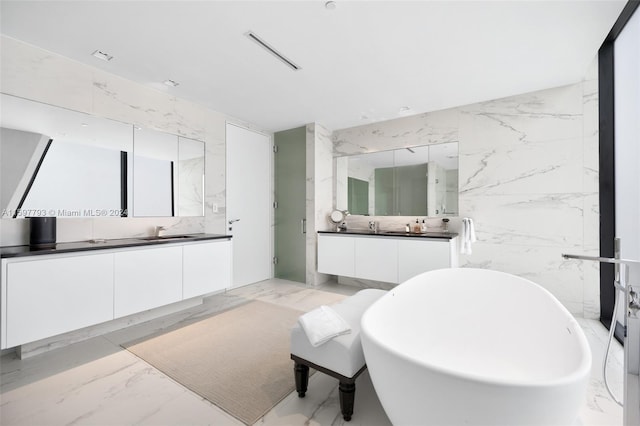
(398, 233)
(414, 234)
(167, 237)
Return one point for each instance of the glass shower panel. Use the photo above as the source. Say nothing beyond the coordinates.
(290, 214)
(358, 196)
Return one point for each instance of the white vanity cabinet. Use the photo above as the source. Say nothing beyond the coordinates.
(45, 297)
(416, 257)
(336, 256)
(147, 278)
(392, 259)
(376, 259)
(206, 268)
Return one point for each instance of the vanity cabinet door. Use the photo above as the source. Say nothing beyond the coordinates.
(336, 255)
(377, 259)
(53, 296)
(206, 268)
(147, 278)
(416, 257)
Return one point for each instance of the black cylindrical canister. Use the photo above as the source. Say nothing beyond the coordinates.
(43, 231)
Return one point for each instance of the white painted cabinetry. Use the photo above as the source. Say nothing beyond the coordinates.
(46, 297)
(416, 257)
(147, 278)
(377, 259)
(384, 258)
(206, 268)
(336, 256)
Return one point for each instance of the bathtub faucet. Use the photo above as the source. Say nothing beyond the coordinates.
(631, 324)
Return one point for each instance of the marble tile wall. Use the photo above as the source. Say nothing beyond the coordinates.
(528, 167)
(319, 197)
(528, 177)
(36, 74)
(190, 184)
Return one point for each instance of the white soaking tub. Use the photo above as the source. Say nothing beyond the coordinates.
(470, 346)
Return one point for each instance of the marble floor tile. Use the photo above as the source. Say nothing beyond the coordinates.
(96, 382)
(292, 295)
(116, 388)
(600, 409)
(321, 405)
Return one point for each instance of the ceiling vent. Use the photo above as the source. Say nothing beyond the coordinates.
(252, 36)
(102, 55)
(171, 83)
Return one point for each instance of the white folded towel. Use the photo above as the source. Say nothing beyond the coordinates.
(467, 235)
(323, 324)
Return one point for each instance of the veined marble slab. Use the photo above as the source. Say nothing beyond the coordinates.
(528, 177)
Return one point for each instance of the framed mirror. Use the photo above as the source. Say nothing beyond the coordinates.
(413, 181)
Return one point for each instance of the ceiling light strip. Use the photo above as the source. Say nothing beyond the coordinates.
(273, 51)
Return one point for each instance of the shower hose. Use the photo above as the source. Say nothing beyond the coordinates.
(612, 329)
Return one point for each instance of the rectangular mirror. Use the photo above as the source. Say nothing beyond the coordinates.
(168, 175)
(415, 181)
(63, 163)
(155, 163)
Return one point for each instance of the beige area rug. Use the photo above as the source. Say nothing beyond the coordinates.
(238, 359)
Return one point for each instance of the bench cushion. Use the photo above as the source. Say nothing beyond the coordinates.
(342, 354)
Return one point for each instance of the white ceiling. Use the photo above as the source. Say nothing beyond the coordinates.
(362, 59)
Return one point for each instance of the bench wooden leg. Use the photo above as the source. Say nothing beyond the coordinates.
(347, 385)
(301, 372)
(347, 396)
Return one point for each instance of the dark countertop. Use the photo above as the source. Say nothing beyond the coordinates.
(75, 246)
(441, 235)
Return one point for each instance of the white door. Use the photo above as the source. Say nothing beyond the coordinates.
(249, 204)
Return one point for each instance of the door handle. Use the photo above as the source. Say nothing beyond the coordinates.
(231, 222)
(303, 226)
(616, 255)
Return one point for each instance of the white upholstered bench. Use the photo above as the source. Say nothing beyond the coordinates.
(341, 357)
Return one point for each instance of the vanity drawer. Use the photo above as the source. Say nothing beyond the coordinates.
(47, 297)
(146, 279)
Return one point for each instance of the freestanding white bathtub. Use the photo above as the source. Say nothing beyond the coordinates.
(475, 347)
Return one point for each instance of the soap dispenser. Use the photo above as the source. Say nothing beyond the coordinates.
(416, 227)
(423, 228)
(445, 224)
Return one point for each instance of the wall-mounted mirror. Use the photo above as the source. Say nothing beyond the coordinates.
(155, 163)
(168, 175)
(414, 181)
(63, 163)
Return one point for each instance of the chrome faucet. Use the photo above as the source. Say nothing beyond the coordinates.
(159, 229)
(373, 226)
